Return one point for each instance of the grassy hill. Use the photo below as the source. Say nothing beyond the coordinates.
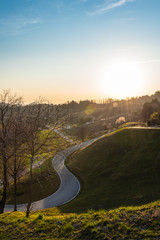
(122, 223)
(118, 170)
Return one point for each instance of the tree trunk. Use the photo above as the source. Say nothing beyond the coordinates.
(30, 189)
(4, 194)
(3, 200)
(15, 193)
(15, 183)
(28, 209)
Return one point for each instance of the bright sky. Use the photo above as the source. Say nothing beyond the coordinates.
(80, 49)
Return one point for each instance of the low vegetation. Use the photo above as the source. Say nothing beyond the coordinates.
(122, 223)
(87, 131)
(45, 182)
(91, 130)
(118, 170)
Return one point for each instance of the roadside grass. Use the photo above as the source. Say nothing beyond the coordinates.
(121, 169)
(134, 124)
(45, 179)
(122, 223)
(45, 182)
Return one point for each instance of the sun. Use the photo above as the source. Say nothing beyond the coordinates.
(123, 79)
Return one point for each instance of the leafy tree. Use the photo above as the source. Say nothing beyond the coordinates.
(154, 119)
(147, 111)
(81, 132)
(155, 115)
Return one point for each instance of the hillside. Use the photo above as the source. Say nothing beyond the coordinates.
(118, 170)
(122, 223)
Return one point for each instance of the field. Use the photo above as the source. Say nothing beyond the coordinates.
(118, 170)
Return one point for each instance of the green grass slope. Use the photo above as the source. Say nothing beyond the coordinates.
(122, 223)
(119, 170)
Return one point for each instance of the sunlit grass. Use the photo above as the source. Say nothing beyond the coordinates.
(122, 223)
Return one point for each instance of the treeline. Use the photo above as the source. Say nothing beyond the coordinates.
(151, 112)
(20, 139)
(87, 111)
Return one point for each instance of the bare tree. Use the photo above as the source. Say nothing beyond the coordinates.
(37, 118)
(8, 104)
(17, 162)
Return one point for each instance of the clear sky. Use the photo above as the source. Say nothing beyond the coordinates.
(80, 49)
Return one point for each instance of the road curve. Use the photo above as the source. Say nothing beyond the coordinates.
(69, 187)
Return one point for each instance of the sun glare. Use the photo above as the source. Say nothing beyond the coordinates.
(123, 80)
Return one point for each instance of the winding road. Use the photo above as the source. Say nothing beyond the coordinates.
(69, 187)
